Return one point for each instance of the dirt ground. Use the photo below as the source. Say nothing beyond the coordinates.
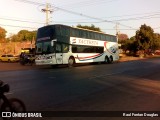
(131, 58)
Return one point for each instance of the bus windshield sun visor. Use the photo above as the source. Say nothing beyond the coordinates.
(53, 41)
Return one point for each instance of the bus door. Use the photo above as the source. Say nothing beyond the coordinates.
(59, 54)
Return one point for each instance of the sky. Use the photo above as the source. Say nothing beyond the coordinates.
(127, 15)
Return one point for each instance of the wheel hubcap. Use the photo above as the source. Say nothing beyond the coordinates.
(70, 61)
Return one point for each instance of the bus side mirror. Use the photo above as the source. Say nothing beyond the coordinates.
(52, 42)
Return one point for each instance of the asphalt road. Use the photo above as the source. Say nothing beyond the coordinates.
(124, 86)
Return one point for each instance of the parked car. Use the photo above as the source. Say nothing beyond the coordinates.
(9, 58)
(157, 52)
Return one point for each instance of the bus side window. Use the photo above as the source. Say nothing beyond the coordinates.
(74, 49)
(65, 48)
(58, 48)
(99, 49)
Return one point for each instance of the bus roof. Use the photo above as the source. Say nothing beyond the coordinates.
(78, 28)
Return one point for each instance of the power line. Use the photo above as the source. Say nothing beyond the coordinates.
(76, 13)
(47, 9)
(20, 20)
(18, 26)
(100, 20)
(128, 19)
(118, 29)
(137, 14)
(87, 3)
(30, 2)
(36, 28)
(142, 17)
(126, 15)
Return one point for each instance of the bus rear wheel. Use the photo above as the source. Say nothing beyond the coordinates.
(106, 59)
(71, 62)
(110, 59)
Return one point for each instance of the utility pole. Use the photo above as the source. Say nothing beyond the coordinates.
(117, 27)
(48, 11)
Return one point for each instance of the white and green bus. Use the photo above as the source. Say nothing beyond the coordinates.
(60, 44)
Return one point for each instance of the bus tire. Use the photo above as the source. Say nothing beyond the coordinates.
(106, 60)
(110, 59)
(71, 62)
(54, 66)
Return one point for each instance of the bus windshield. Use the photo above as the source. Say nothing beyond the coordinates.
(44, 48)
(44, 37)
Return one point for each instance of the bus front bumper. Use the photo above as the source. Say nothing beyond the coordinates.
(44, 62)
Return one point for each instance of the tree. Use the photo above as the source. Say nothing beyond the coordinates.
(26, 35)
(2, 34)
(145, 37)
(130, 44)
(122, 37)
(156, 44)
(92, 27)
(13, 38)
(23, 35)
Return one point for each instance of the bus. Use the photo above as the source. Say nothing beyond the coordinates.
(61, 44)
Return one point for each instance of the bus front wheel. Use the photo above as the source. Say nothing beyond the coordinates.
(71, 62)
